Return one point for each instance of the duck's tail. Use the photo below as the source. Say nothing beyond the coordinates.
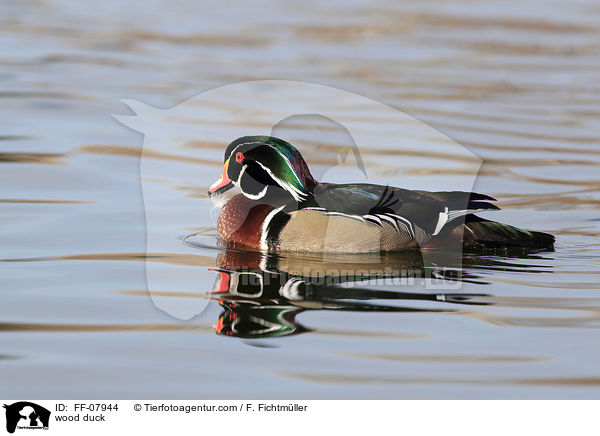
(480, 233)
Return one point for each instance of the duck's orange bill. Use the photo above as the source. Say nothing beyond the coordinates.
(222, 181)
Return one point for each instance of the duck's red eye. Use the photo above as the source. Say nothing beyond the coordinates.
(239, 157)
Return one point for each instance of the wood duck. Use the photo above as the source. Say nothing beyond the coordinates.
(282, 208)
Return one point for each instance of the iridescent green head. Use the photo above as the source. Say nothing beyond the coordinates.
(260, 165)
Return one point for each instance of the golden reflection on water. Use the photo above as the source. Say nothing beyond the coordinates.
(332, 378)
(148, 153)
(38, 158)
(444, 358)
(83, 328)
(32, 201)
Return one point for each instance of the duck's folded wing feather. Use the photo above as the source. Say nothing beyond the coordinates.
(401, 208)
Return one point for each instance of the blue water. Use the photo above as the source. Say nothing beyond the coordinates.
(515, 85)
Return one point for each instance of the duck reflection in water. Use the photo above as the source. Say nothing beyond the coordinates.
(262, 294)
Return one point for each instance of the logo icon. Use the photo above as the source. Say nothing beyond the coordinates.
(26, 415)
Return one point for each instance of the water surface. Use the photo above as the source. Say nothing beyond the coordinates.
(515, 84)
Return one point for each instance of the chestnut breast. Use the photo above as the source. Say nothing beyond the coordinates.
(241, 219)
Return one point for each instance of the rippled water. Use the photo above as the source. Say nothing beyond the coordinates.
(516, 84)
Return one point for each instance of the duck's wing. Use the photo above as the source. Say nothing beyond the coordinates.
(401, 208)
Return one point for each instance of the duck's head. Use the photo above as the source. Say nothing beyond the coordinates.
(264, 166)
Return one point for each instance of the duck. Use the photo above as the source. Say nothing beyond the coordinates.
(269, 201)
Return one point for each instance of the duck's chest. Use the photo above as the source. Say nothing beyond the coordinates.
(241, 221)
